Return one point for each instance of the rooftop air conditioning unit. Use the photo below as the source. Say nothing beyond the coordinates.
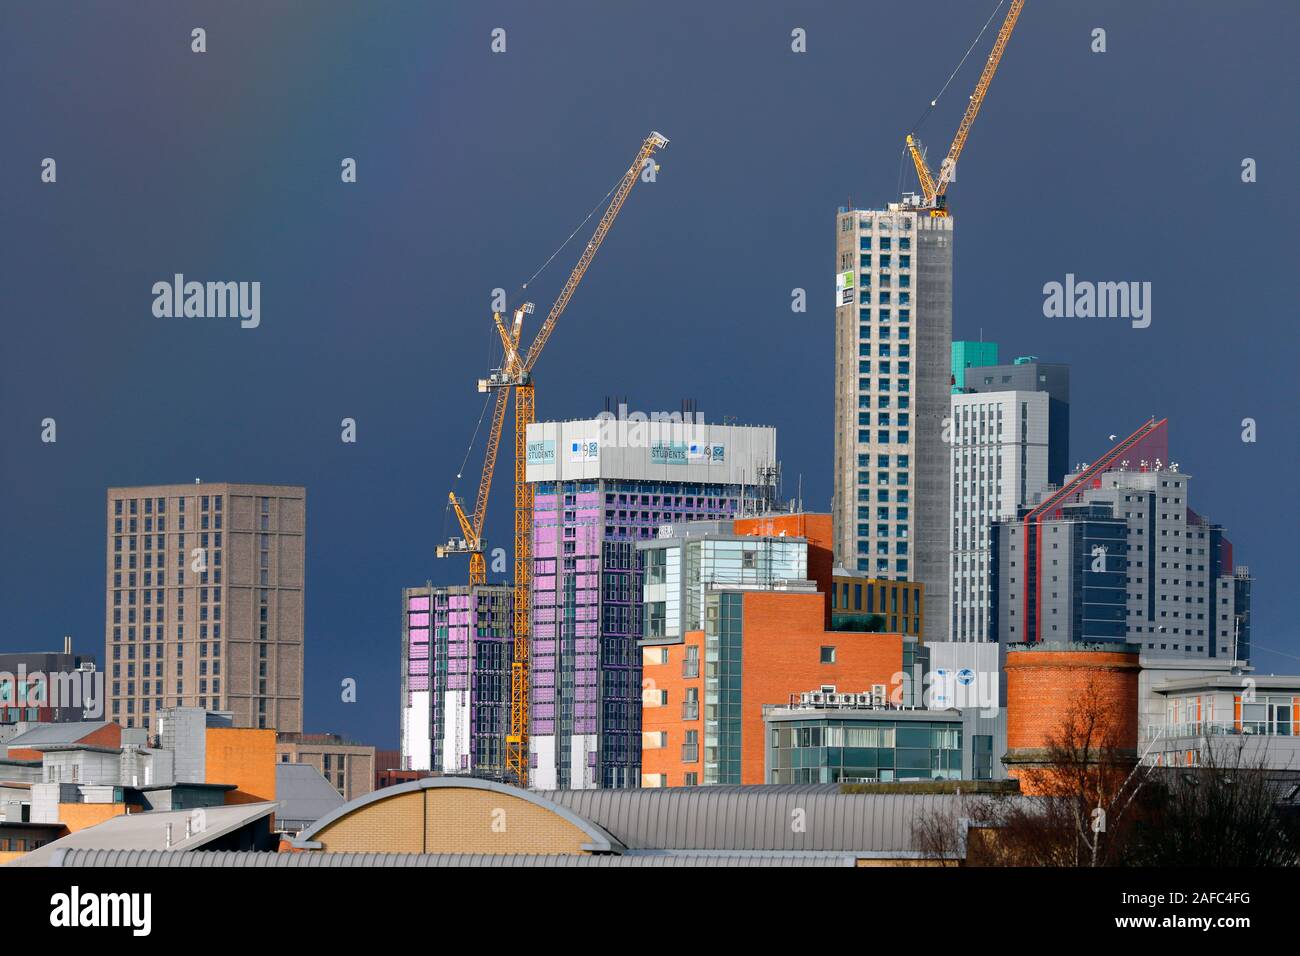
(818, 698)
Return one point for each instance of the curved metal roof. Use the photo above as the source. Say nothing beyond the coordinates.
(760, 818)
(601, 841)
(797, 819)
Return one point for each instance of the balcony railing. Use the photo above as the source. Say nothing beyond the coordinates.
(1212, 728)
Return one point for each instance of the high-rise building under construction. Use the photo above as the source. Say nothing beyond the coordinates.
(601, 485)
(893, 351)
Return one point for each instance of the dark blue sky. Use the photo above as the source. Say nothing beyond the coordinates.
(473, 167)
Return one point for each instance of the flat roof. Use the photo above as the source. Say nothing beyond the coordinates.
(70, 748)
(1234, 682)
(148, 831)
(813, 712)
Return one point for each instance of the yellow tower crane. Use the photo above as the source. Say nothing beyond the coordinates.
(515, 374)
(933, 190)
(471, 527)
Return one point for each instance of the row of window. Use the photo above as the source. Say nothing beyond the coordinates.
(884, 461)
(149, 505)
(885, 243)
(882, 438)
(881, 565)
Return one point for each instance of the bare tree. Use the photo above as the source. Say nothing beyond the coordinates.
(939, 834)
(1093, 804)
(1224, 812)
(1085, 788)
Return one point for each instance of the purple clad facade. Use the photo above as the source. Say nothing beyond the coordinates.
(600, 486)
(456, 651)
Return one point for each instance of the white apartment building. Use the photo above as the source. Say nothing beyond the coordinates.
(999, 463)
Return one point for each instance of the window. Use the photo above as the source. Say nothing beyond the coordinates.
(828, 655)
(691, 665)
(691, 705)
(691, 747)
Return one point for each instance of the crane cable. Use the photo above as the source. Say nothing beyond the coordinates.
(604, 200)
(929, 109)
(446, 519)
(446, 516)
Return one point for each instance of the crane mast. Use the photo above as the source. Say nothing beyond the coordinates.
(516, 374)
(471, 528)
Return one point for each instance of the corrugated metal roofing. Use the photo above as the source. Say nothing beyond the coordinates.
(769, 818)
(166, 858)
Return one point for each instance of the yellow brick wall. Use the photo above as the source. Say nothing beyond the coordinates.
(393, 825)
(452, 820)
(479, 821)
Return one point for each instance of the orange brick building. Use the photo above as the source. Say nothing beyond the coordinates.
(736, 623)
(242, 756)
(1044, 683)
(813, 528)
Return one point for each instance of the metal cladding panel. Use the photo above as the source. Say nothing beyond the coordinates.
(316, 860)
(931, 395)
(648, 451)
(757, 818)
